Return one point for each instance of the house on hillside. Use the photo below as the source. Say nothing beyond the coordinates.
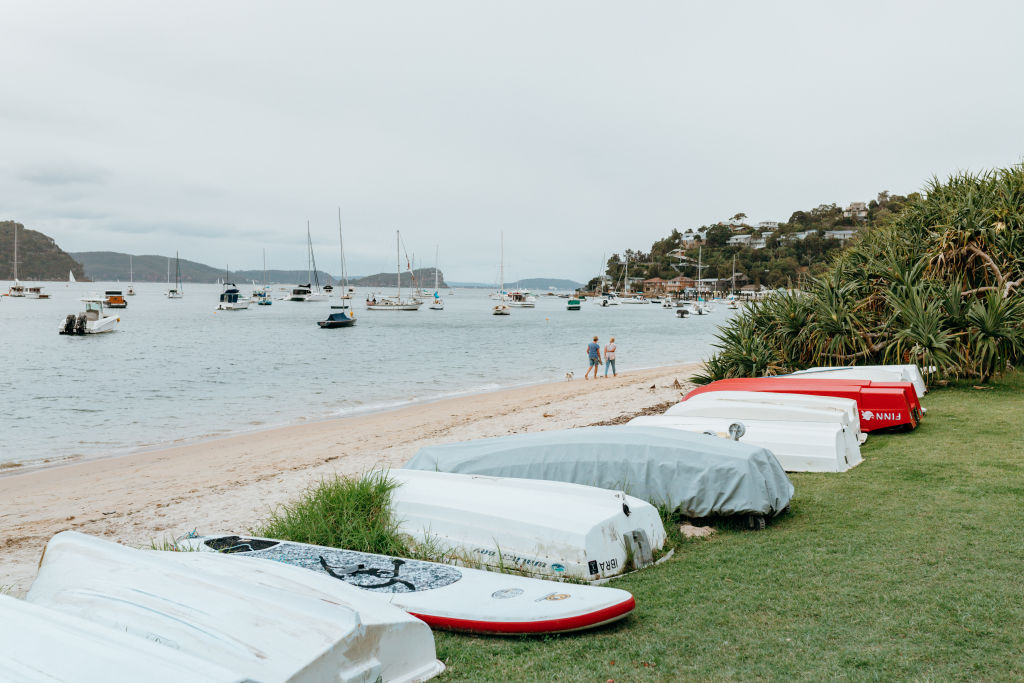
(739, 240)
(753, 291)
(768, 224)
(654, 286)
(691, 238)
(679, 284)
(857, 211)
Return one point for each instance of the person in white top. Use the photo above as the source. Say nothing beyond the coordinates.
(609, 357)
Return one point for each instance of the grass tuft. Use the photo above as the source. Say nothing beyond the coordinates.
(344, 512)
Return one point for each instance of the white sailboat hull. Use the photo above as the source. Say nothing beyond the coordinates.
(541, 528)
(266, 620)
(798, 446)
(387, 305)
(89, 653)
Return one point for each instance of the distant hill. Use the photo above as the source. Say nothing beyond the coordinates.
(545, 283)
(424, 278)
(109, 266)
(39, 257)
(535, 284)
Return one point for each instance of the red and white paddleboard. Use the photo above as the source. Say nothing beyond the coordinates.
(444, 596)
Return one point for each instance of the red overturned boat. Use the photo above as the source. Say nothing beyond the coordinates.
(881, 405)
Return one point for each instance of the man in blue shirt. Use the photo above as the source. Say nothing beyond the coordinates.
(593, 357)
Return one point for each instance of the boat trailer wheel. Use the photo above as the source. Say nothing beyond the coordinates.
(755, 522)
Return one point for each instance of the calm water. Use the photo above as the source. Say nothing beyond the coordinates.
(176, 370)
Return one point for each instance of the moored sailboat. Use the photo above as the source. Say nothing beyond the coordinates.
(394, 303)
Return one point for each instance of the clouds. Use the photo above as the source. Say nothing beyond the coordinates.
(577, 128)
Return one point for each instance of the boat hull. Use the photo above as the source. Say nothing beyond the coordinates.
(266, 620)
(798, 446)
(765, 405)
(880, 405)
(447, 597)
(539, 528)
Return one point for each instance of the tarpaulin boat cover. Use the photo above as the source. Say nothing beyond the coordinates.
(700, 475)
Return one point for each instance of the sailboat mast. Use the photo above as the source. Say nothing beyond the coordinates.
(625, 278)
(398, 265)
(501, 268)
(436, 248)
(264, 268)
(15, 252)
(341, 254)
(131, 270)
(733, 274)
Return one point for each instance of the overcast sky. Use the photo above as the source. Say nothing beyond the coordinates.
(577, 128)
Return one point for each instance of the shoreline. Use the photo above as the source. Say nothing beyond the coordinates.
(231, 482)
(14, 467)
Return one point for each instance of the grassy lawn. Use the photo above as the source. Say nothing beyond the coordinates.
(908, 567)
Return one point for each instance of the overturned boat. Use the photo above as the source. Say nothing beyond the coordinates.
(446, 597)
(880, 373)
(88, 653)
(798, 446)
(881, 404)
(548, 529)
(766, 405)
(266, 620)
(696, 474)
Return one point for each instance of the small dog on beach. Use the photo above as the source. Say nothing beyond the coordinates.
(568, 376)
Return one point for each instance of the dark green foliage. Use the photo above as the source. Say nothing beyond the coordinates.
(940, 285)
(39, 256)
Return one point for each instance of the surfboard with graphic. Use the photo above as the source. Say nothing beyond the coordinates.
(447, 597)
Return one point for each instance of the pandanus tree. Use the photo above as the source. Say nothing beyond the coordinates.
(942, 286)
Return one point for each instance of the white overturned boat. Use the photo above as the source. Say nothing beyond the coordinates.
(42, 644)
(763, 405)
(697, 474)
(265, 620)
(875, 373)
(799, 446)
(540, 528)
(443, 596)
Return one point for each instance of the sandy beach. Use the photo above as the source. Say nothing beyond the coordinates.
(230, 484)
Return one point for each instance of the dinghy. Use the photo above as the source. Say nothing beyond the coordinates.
(799, 446)
(765, 405)
(444, 596)
(881, 373)
(697, 474)
(881, 405)
(538, 528)
(32, 635)
(265, 620)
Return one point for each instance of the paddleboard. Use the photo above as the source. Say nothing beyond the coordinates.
(445, 597)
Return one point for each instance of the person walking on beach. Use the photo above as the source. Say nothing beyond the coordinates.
(609, 357)
(594, 358)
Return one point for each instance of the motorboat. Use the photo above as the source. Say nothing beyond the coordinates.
(300, 293)
(881, 405)
(636, 299)
(521, 300)
(696, 474)
(548, 529)
(93, 320)
(35, 292)
(261, 296)
(881, 373)
(799, 446)
(16, 290)
(268, 621)
(337, 320)
(667, 303)
(89, 652)
(765, 405)
(231, 299)
(573, 304)
(501, 309)
(682, 313)
(115, 299)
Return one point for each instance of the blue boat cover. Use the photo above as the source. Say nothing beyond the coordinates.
(699, 474)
